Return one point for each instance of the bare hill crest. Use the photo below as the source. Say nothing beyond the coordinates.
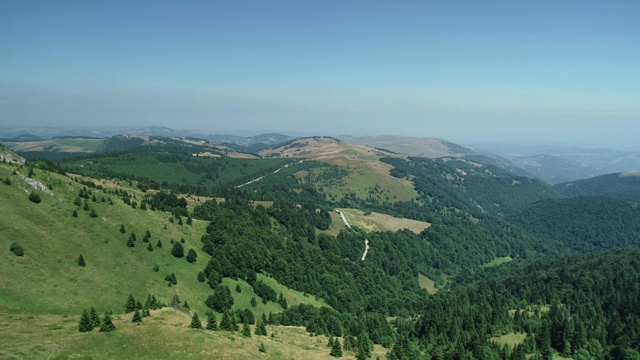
(428, 147)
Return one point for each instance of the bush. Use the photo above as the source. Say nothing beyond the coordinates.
(35, 198)
(178, 250)
(17, 249)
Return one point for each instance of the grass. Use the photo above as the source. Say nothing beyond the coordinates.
(47, 280)
(79, 145)
(427, 284)
(382, 222)
(43, 293)
(164, 335)
(498, 261)
(173, 171)
(511, 339)
(366, 176)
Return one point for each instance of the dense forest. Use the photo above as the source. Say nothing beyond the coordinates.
(570, 285)
(580, 306)
(621, 186)
(583, 224)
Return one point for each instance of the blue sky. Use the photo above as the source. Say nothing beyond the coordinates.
(468, 71)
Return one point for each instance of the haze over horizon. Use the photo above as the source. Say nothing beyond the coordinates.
(560, 72)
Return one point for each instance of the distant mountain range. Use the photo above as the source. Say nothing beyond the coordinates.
(45, 133)
(557, 164)
(553, 164)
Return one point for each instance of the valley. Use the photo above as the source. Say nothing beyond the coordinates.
(318, 240)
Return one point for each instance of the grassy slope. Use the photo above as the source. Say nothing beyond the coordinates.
(165, 335)
(59, 144)
(366, 175)
(381, 222)
(47, 280)
(149, 165)
(427, 284)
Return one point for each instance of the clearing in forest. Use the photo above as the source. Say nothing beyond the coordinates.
(427, 284)
(375, 221)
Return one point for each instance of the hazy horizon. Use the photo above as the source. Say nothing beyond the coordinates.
(468, 72)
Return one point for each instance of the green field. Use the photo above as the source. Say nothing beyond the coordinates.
(63, 144)
(164, 335)
(48, 280)
(176, 168)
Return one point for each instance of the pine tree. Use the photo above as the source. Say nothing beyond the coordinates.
(147, 303)
(262, 349)
(195, 322)
(201, 277)
(171, 278)
(178, 250)
(81, 261)
(336, 349)
(131, 242)
(75, 213)
(212, 324)
(159, 244)
(136, 317)
(226, 323)
(192, 256)
(254, 303)
(107, 324)
(95, 319)
(363, 351)
(122, 229)
(261, 329)
(131, 304)
(189, 220)
(150, 247)
(86, 206)
(93, 213)
(246, 330)
(282, 301)
(85, 322)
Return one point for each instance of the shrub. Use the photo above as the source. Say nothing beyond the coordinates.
(35, 198)
(17, 249)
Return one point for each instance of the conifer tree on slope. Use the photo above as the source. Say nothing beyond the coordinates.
(107, 324)
(85, 322)
(212, 324)
(95, 319)
(195, 322)
(336, 349)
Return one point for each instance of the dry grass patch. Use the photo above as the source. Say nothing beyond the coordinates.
(368, 176)
(336, 224)
(164, 335)
(511, 339)
(427, 284)
(382, 222)
(498, 261)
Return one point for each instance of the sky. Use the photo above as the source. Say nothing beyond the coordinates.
(562, 72)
